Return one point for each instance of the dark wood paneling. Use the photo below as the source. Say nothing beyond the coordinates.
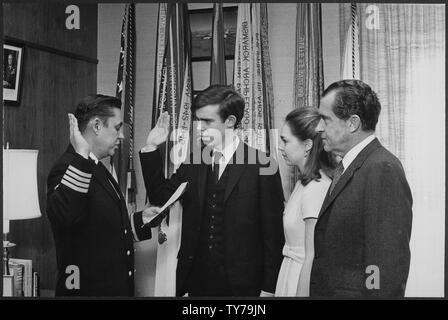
(44, 23)
(52, 84)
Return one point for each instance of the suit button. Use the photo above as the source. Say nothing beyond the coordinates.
(211, 236)
(130, 273)
(214, 196)
(128, 252)
(210, 247)
(213, 205)
(125, 231)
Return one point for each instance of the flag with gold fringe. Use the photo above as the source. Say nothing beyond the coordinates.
(308, 69)
(173, 93)
(351, 63)
(252, 74)
(122, 164)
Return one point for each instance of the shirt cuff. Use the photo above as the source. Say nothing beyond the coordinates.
(266, 294)
(146, 219)
(148, 149)
(140, 230)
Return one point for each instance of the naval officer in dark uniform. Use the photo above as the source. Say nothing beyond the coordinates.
(92, 230)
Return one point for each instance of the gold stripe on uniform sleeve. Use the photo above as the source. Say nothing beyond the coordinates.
(76, 182)
(77, 176)
(79, 172)
(73, 187)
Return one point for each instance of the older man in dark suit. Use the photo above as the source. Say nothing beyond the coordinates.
(232, 233)
(364, 226)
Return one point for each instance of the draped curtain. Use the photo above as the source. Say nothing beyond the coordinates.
(402, 57)
(308, 68)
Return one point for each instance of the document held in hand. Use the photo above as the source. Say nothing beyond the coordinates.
(157, 219)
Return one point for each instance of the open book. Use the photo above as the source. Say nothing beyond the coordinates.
(157, 219)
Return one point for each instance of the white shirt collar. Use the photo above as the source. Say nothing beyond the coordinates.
(353, 152)
(93, 157)
(230, 149)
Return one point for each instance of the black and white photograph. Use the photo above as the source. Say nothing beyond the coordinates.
(12, 70)
(224, 151)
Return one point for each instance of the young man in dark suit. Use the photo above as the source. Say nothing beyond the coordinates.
(232, 233)
(364, 226)
(91, 227)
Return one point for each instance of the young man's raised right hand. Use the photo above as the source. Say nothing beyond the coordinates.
(158, 134)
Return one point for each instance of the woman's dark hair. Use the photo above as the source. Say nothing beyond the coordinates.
(95, 105)
(229, 101)
(303, 122)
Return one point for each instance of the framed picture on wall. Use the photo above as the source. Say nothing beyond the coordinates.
(201, 21)
(12, 72)
(201, 32)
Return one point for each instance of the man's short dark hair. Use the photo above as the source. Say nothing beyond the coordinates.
(229, 101)
(95, 105)
(354, 97)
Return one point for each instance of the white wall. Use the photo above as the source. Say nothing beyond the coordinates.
(330, 43)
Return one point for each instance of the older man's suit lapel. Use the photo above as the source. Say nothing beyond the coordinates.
(348, 174)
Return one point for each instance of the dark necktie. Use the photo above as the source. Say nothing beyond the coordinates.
(337, 175)
(218, 155)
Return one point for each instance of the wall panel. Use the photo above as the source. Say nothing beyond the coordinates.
(52, 84)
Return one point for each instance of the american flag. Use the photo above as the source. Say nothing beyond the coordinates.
(125, 83)
(172, 93)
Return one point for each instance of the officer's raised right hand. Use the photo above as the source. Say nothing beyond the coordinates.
(78, 142)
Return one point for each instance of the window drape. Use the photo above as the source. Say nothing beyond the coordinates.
(403, 60)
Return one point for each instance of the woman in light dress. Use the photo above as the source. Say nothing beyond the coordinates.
(301, 147)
